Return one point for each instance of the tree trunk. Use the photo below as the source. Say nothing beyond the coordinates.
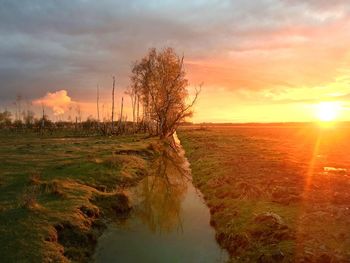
(138, 107)
(43, 119)
(113, 103)
(121, 113)
(97, 104)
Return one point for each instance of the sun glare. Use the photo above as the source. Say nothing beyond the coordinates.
(328, 111)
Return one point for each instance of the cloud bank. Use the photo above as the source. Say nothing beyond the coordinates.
(241, 47)
(58, 102)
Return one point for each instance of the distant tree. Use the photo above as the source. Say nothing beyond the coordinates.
(29, 118)
(18, 107)
(160, 79)
(78, 113)
(5, 119)
(113, 89)
(90, 123)
(18, 124)
(121, 111)
(44, 122)
(98, 103)
(132, 92)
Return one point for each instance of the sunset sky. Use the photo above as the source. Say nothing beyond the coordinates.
(260, 61)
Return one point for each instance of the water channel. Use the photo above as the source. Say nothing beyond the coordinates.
(169, 222)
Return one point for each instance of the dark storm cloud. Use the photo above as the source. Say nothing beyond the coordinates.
(51, 45)
(47, 45)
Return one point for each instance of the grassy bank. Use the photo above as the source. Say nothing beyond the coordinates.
(56, 192)
(270, 194)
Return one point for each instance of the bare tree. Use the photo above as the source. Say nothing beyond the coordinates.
(19, 106)
(29, 118)
(97, 103)
(138, 108)
(103, 113)
(121, 111)
(17, 103)
(43, 117)
(134, 96)
(113, 102)
(131, 93)
(160, 79)
(70, 108)
(28, 115)
(78, 112)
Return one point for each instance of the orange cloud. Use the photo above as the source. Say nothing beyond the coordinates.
(290, 56)
(58, 101)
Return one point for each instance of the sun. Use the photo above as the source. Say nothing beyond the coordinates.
(328, 111)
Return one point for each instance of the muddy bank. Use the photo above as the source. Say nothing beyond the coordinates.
(77, 239)
(83, 208)
(53, 186)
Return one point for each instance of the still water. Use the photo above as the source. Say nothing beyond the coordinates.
(169, 223)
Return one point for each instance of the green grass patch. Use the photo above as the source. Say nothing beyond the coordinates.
(48, 186)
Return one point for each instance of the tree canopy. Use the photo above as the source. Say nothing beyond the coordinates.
(159, 79)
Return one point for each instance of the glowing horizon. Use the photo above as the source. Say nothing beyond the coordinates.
(257, 63)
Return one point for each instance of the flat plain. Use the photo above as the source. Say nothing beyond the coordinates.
(275, 192)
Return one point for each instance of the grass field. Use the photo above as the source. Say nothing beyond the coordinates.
(275, 193)
(55, 192)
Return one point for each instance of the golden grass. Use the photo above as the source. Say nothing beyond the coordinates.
(270, 198)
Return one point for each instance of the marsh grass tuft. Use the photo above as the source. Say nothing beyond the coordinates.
(78, 243)
(34, 179)
(53, 187)
(248, 191)
(90, 211)
(112, 162)
(28, 199)
(268, 227)
(116, 205)
(52, 235)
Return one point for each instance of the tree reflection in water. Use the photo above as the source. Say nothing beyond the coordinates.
(159, 196)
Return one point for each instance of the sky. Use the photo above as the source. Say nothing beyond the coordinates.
(258, 60)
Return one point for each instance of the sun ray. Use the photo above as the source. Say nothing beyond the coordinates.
(306, 194)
